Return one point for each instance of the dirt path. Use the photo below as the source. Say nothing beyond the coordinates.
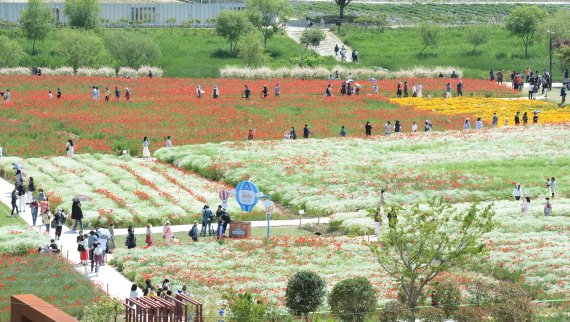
(296, 27)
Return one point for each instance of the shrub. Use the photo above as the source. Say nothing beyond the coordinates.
(103, 310)
(106, 72)
(449, 296)
(63, 71)
(83, 71)
(244, 307)
(395, 311)
(512, 304)
(470, 314)
(127, 72)
(431, 314)
(352, 299)
(305, 292)
(156, 71)
(17, 241)
(15, 71)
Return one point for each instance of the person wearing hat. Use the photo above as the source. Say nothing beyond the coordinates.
(194, 232)
(148, 239)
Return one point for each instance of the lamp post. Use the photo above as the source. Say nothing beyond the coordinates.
(550, 33)
(269, 207)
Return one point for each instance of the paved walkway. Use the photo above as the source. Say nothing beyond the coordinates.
(108, 279)
(296, 27)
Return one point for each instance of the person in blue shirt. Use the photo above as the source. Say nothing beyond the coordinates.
(342, 131)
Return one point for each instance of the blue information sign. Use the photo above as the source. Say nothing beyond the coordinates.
(246, 195)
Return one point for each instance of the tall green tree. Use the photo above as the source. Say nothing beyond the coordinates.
(430, 36)
(305, 293)
(341, 5)
(231, 25)
(477, 36)
(132, 49)
(82, 13)
(37, 21)
(428, 240)
(311, 38)
(268, 15)
(524, 22)
(81, 48)
(353, 299)
(250, 49)
(10, 52)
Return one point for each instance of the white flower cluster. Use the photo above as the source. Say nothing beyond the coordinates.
(143, 71)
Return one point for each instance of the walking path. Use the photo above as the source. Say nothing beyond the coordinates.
(326, 48)
(109, 279)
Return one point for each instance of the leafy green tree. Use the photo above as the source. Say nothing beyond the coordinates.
(311, 38)
(244, 308)
(82, 13)
(305, 293)
(559, 23)
(430, 240)
(430, 36)
(477, 37)
(449, 297)
(524, 22)
(231, 25)
(352, 299)
(341, 5)
(268, 15)
(10, 52)
(37, 21)
(250, 49)
(563, 54)
(132, 49)
(81, 48)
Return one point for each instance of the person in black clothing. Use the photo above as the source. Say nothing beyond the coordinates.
(53, 246)
(399, 90)
(219, 221)
(343, 89)
(328, 91)
(517, 119)
(406, 89)
(58, 93)
(14, 202)
(59, 221)
(535, 117)
(368, 128)
(264, 91)
(460, 88)
(566, 73)
(306, 132)
(131, 241)
(397, 126)
(226, 219)
(148, 287)
(392, 220)
(246, 92)
(293, 133)
(336, 49)
(77, 214)
(525, 118)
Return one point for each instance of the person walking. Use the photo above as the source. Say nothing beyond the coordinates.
(14, 202)
(478, 124)
(517, 192)
(107, 94)
(77, 214)
(547, 207)
(193, 233)
(355, 56)
(293, 133)
(215, 92)
(495, 121)
(448, 90)
(399, 90)
(168, 142)
(167, 233)
(127, 93)
(97, 255)
(375, 89)
(467, 124)
(146, 151)
(552, 187)
(59, 219)
(198, 91)
(103, 237)
(406, 89)
(492, 75)
(69, 148)
(525, 206)
(46, 220)
(117, 93)
(148, 237)
(387, 128)
(414, 127)
(34, 210)
(563, 94)
(226, 219)
(306, 132)
(342, 131)
(336, 49)
(246, 92)
(264, 91)
(517, 119)
(219, 221)
(250, 134)
(535, 117)
(111, 244)
(277, 90)
(525, 118)
(131, 241)
(397, 127)
(58, 93)
(460, 88)
(31, 190)
(328, 91)
(368, 128)
(207, 217)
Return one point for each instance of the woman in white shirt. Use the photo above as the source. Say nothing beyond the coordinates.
(414, 127)
(478, 124)
(70, 148)
(517, 193)
(525, 206)
(146, 151)
(134, 293)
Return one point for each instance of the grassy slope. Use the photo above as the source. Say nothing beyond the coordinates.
(5, 219)
(185, 52)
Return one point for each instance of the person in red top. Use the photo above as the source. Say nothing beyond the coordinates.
(250, 134)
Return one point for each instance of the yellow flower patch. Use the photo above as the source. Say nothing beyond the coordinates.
(485, 107)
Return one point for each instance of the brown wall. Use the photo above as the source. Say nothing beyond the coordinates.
(30, 308)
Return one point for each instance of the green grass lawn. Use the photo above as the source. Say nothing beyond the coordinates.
(5, 219)
(185, 52)
(399, 49)
(183, 237)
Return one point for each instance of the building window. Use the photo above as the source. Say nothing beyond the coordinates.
(143, 14)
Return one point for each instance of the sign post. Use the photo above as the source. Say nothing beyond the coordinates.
(269, 207)
(247, 195)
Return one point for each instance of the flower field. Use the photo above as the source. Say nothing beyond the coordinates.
(485, 107)
(33, 125)
(124, 190)
(338, 175)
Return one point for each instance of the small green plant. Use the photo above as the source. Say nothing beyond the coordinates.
(353, 299)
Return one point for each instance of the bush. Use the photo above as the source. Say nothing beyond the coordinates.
(127, 72)
(512, 304)
(244, 307)
(103, 310)
(431, 314)
(305, 292)
(470, 314)
(352, 299)
(449, 296)
(395, 311)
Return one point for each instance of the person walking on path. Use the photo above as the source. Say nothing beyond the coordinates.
(131, 241)
(336, 49)
(77, 214)
(167, 233)
(31, 190)
(525, 206)
(146, 151)
(207, 217)
(194, 232)
(59, 221)
(34, 209)
(219, 221)
(70, 148)
(148, 237)
(46, 220)
(460, 88)
(517, 192)
(14, 202)
(306, 132)
(97, 255)
(368, 129)
(547, 207)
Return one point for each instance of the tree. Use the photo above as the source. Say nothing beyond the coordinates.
(477, 37)
(132, 49)
(559, 23)
(10, 52)
(430, 36)
(524, 22)
(267, 15)
(563, 54)
(352, 299)
(311, 38)
(81, 48)
(36, 21)
(231, 25)
(429, 240)
(448, 296)
(244, 307)
(305, 293)
(341, 5)
(82, 13)
(250, 49)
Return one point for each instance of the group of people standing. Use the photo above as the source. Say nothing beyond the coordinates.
(402, 90)
(525, 200)
(95, 93)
